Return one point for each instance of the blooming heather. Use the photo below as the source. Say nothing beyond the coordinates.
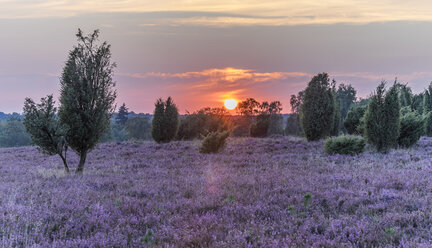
(278, 192)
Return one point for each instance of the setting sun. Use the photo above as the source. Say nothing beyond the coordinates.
(230, 104)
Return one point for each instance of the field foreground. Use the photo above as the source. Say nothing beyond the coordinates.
(275, 192)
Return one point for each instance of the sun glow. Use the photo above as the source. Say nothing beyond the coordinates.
(230, 104)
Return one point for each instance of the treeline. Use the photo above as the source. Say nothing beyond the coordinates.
(215, 125)
(134, 127)
(389, 118)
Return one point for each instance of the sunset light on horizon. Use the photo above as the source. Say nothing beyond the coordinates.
(201, 123)
(202, 52)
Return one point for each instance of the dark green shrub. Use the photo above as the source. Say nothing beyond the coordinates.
(214, 142)
(119, 134)
(346, 144)
(190, 126)
(138, 128)
(427, 129)
(411, 127)
(166, 121)
(427, 99)
(41, 122)
(276, 124)
(353, 119)
(200, 123)
(318, 108)
(260, 127)
(13, 133)
(293, 125)
(346, 95)
(337, 116)
(417, 103)
(242, 125)
(381, 120)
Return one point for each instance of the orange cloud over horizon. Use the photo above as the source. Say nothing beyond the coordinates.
(210, 87)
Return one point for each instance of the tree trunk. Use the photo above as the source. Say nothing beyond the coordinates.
(80, 168)
(65, 163)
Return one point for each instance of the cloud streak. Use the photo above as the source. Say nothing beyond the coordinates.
(196, 89)
(231, 13)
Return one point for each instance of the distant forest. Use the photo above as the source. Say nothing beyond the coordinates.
(14, 134)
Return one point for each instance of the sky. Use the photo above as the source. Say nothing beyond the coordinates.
(202, 52)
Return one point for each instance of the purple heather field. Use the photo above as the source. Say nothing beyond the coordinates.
(273, 192)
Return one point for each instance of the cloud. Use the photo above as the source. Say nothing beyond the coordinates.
(196, 89)
(228, 77)
(230, 13)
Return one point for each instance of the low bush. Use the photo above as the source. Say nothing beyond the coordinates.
(411, 127)
(345, 144)
(214, 142)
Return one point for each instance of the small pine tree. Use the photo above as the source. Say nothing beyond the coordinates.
(87, 95)
(381, 120)
(166, 121)
(122, 115)
(41, 122)
(318, 108)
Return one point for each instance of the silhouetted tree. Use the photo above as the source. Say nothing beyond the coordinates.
(166, 121)
(296, 101)
(41, 122)
(87, 95)
(268, 119)
(122, 115)
(249, 107)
